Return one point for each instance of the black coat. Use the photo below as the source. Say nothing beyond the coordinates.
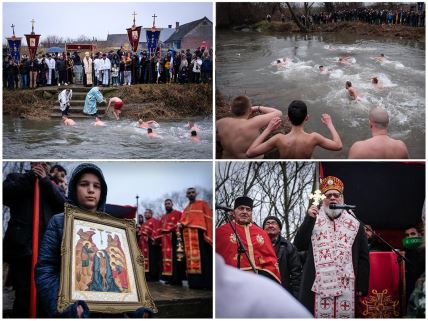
(18, 195)
(360, 261)
(289, 265)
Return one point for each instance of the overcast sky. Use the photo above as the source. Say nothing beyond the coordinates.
(96, 19)
(152, 179)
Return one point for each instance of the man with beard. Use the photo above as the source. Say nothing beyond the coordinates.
(172, 269)
(197, 224)
(147, 242)
(254, 239)
(337, 264)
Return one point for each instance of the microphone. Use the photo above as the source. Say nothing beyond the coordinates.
(342, 207)
(224, 208)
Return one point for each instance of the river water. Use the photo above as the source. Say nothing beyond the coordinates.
(50, 139)
(246, 64)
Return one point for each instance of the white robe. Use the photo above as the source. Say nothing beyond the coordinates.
(51, 65)
(105, 67)
(64, 99)
(97, 63)
(87, 64)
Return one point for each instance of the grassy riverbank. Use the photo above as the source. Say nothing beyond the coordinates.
(159, 101)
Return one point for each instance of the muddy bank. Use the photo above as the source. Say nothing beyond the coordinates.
(163, 102)
(358, 28)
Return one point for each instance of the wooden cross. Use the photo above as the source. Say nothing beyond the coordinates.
(134, 14)
(32, 25)
(317, 197)
(154, 19)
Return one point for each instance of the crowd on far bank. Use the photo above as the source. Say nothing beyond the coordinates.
(113, 68)
(372, 16)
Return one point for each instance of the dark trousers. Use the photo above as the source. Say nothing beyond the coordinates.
(21, 282)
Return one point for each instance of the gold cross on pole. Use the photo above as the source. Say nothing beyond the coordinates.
(134, 14)
(32, 25)
(154, 19)
(317, 197)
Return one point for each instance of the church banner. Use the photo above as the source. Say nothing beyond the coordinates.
(14, 48)
(33, 44)
(152, 40)
(134, 37)
(384, 299)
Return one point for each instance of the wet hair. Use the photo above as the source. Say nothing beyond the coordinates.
(348, 84)
(59, 168)
(375, 80)
(320, 67)
(278, 61)
(193, 133)
(382, 55)
(297, 112)
(240, 105)
(149, 130)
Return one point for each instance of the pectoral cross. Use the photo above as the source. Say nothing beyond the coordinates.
(134, 14)
(317, 197)
(32, 26)
(154, 19)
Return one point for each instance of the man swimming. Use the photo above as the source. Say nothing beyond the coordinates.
(194, 136)
(151, 133)
(68, 121)
(353, 93)
(146, 124)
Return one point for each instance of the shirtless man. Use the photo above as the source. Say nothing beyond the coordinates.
(117, 106)
(297, 143)
(376, 82)
(323, 70)
(282, 63)
(68, 121)
(99, 122)
(353, 93)
(146, 124)
(380, 146)
(379, 58)
(236, 133)
(194, 136)
(344, 60)
(151, 133)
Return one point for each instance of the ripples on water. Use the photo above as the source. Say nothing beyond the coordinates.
(246, 64)
(117, 140)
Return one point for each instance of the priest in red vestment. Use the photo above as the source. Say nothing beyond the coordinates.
(255, 240)
(172, 270)
(147, 243)
(197, 223)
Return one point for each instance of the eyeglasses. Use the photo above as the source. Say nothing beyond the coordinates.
(335, 195)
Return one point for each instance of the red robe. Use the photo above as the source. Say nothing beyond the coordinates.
(148, 231)
(167, 226)
(197, 215)
(256, 242)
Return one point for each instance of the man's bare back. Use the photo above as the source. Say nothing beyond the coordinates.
(236, 134)
(379, 147)
(295, 146)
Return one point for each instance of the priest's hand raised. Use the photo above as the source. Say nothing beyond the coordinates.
(313, 211)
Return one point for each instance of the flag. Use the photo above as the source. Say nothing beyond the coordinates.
(134, 37)
(14, 48)
(152, 40)
(32, 43)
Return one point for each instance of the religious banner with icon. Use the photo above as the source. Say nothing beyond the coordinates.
(152, 40)
(386, 288)
(14, 44)
(134, 36)
(32, 43)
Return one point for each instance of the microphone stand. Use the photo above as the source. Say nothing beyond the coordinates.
(241, 249)
(400, 257)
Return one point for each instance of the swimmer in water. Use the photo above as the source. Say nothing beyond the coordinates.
(194, 136)
(379, 58)
(344, 60)
(68, 121)
(146, 124)
(376, 82)
(282, 63)
(99, 122)
(323, 70)
(353, 93)
(192, 126)
(151, 133)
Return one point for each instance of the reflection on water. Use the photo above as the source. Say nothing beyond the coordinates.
(24, 138)
(246, 64)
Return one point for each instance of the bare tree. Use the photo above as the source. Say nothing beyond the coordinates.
(280, 189)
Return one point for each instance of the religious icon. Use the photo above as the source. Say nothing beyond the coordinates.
(104, 265)
(32, 42)
(135, 35)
